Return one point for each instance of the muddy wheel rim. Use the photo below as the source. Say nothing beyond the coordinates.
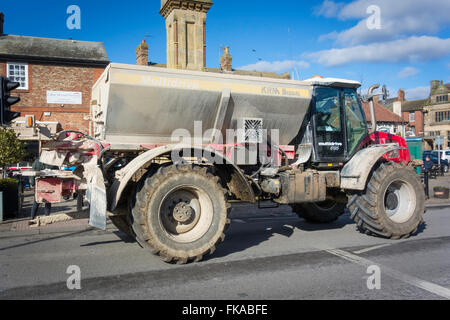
(400, 201)
(186, 213)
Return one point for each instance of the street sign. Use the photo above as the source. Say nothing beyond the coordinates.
(439, 140)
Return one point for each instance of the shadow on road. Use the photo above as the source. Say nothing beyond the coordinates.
(91, 244)
(240, 240)
(124, 238)
(47, 239)
(256, 233)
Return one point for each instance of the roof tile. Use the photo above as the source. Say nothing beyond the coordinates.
(24, 47)
(382, 114)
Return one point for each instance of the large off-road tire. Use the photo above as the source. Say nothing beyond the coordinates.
(320, 212)
(393, 204)
(181, 213)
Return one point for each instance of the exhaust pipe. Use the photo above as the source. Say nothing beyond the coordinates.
(372, 108)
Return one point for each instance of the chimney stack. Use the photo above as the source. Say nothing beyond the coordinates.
(142, 54)
(2, 20)
(401, 95)
(226, 60)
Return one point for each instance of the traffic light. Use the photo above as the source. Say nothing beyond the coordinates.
(6, 101)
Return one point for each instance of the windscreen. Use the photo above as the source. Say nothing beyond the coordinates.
(355, 120)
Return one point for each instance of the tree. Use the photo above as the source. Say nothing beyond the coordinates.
(11, 149)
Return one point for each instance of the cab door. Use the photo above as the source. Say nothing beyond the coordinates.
(329, 137)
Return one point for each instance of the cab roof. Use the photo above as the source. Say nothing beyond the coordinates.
(332, 82)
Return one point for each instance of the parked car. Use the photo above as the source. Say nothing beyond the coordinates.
(434, 157)
(445, 154)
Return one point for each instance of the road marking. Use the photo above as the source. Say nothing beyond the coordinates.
(372, 248)
(422, 284)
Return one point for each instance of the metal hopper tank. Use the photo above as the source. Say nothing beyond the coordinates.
(132, 105)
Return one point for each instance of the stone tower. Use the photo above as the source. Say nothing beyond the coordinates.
(226, 60)
(186, 35)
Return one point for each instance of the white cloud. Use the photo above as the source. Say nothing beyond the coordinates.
(276, 66)
(417, 93)
(408, 72)
(329, 36)
(412, 49)
(398, 19)
(328, 9)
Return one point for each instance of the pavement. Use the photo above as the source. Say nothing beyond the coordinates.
(442, 181)
(21, 225)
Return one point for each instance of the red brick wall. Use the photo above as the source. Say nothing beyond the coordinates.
(418, 122)
(43, 77)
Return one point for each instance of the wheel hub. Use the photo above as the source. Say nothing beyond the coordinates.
(400, 201)
(183, 212)
(186, 213)
(391, 201)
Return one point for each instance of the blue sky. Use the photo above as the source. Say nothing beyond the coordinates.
(329, 38)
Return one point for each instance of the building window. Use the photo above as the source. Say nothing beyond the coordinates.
(442, 98)
(411, 132)
(18, 72)
(442, 116)
(433, 133)
(412, 116)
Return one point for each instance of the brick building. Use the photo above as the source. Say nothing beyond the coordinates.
(412, 113)
(55, 75)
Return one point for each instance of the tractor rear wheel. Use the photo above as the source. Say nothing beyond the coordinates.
(181, 213)
(393, 204)
(320, 212)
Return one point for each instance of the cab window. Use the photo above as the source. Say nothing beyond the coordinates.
(355, 120)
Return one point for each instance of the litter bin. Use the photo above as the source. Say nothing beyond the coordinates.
(10, 189)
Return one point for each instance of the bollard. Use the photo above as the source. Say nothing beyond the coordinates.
(1, 206)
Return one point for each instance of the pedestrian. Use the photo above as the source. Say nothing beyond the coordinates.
(39, 166)
(427, 166)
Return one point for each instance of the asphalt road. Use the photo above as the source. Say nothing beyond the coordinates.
(268, 254)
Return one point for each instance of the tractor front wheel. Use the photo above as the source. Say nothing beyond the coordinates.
(393, 204)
